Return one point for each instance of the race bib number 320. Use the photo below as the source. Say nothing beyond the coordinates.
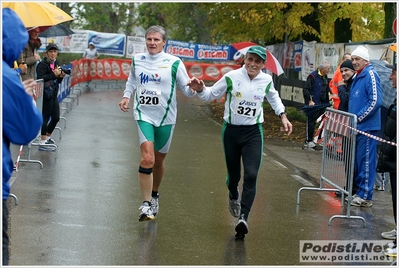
(149, 96)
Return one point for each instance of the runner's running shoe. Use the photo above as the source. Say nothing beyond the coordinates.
(146, 212)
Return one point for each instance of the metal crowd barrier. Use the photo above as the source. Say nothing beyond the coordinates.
(339, 143)
(39, 104)
(63, 94)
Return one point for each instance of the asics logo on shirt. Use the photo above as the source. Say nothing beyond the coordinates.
(144, 78)
(148, 92)
(247, 103)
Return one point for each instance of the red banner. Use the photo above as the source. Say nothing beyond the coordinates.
(208, 71)
(84, 70)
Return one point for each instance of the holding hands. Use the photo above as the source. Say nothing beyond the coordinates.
(196, 85)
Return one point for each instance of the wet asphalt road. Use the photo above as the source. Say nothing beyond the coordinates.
(82, 207)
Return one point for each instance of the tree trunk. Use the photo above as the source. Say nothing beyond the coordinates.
(313, 21)
(390, 15)
(342, 31)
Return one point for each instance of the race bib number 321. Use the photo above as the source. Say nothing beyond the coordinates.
(246, 107)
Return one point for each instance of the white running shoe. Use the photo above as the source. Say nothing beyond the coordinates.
(146, 212)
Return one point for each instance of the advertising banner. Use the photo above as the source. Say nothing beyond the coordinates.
(76, 43)
(298, 56)
(108, 43)
(186, 50)
(308, 58)
(208, 72)
(331, 53)
(84, 70)
(134, 45)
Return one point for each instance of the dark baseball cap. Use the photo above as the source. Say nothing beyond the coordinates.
(51, 46)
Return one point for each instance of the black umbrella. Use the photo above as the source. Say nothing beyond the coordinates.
(57, 30)
(309, 110)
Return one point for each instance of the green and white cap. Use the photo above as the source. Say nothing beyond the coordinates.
(258, 50)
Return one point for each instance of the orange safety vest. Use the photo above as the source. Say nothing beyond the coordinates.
(334, 87)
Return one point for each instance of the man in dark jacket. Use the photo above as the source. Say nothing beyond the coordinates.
(21, 118)
(316, 95)
(387, 159)
(348, 73)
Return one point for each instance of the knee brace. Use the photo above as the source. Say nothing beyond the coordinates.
(145, 170)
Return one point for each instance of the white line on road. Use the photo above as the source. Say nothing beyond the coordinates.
(302, 180)
(277, 163)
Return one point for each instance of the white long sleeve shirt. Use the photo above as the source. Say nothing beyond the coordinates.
(153, 80)
(244, 97)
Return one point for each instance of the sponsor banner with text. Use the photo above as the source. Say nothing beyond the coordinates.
(191, 51)
(84, 70)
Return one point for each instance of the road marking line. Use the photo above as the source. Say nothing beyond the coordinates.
(277, 163)
(302, 180)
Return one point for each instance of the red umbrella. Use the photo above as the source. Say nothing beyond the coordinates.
(241, 45)
(272, 64)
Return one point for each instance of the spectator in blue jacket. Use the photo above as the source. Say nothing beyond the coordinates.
(316, 96)
(21, 119)
(365, 101)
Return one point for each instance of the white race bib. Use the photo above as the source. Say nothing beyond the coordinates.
(149, 96)
(246, 107)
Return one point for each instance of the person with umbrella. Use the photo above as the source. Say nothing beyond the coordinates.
(316, 95)
(246, 89)
(29, 55)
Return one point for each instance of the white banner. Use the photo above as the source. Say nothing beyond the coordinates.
(105, 43)
(308, 62)
(331, 53)
(134, 45)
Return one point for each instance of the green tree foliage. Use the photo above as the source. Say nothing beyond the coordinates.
(267, 23)
(262, 23)
(228, 22)
(366, 20)
(114, 17)
(183, 21)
